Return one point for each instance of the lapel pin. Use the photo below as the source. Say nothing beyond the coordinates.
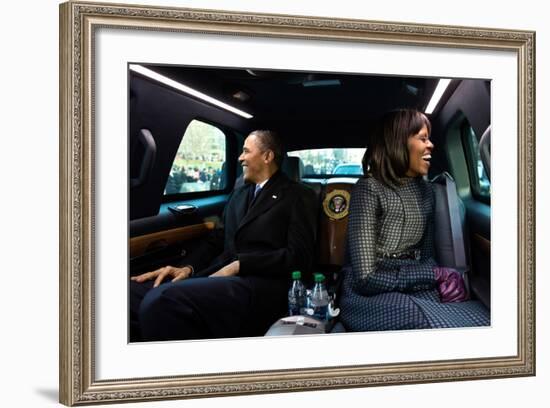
(274, 196)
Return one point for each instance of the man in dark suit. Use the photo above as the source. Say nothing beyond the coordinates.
(236, 283)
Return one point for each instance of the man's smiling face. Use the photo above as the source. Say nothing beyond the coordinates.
(255, 162)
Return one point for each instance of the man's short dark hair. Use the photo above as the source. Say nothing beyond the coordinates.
(387, 155)
(270, 140)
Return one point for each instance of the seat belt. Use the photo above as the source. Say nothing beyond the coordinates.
(456, 224)
(453, 204)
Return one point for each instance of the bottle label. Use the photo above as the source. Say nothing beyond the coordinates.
(320, 312)
(296, 302)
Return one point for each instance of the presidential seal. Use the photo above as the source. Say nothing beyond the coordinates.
(336, 204)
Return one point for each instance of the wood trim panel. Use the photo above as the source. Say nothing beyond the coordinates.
(139, 245)
(332, 232)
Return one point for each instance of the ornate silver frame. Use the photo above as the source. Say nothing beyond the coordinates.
(78, 22)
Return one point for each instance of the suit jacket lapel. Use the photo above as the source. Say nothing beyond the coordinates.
(269, 196)
(241, 200)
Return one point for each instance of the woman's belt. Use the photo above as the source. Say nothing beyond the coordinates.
(412, 254)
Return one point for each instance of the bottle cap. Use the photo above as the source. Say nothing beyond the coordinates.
(296, 275)
(319, 277)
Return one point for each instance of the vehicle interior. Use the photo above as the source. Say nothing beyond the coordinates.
(187, 126)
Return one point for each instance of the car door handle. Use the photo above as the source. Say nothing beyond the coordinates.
(183, 209)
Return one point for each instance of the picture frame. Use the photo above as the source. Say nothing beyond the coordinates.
(79, 23)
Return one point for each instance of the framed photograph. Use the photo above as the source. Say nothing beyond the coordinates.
(155, 105)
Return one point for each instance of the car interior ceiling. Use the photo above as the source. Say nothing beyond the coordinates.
(308, 109)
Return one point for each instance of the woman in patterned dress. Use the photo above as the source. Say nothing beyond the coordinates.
(391, 280)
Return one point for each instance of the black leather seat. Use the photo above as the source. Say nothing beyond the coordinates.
(293, 168)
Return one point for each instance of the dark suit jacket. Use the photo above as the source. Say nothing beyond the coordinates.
(273, 237)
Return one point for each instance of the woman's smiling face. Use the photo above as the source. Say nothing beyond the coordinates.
(420, 153)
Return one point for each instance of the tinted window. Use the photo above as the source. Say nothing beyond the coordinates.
(479, 181)
(199, 164)
(324, 162)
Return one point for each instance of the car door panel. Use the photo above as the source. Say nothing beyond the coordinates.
(479, 226)
(160, 240)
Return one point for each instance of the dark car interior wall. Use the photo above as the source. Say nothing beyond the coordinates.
(166, 113)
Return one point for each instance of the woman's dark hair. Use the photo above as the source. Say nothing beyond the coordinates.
(387, 155)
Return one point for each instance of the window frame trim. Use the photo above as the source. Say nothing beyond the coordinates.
(470, 163)
(230, 152)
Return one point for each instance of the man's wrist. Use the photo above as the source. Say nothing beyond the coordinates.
(192, 269)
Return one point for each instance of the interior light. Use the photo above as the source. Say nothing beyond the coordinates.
(184, 88)
(438, 93)
(413, 90)
(241, 96)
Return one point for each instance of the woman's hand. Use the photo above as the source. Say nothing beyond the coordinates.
(450, 285)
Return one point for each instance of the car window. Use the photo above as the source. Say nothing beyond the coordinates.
(328, 162)
(199, 164)
(481, 186)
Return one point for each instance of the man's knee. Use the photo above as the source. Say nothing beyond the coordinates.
(168, 313)
(162, 300)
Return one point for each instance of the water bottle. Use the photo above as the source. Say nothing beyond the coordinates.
(319, 298)
(296, 295)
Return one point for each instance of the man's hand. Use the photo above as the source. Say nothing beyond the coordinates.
(160, 274)
(231, 269)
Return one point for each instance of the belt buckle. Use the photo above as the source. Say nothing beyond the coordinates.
(416, 254)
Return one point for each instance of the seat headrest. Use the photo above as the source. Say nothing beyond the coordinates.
(293, 168)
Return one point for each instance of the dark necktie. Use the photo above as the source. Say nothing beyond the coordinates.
(257, 190)
(253, 196)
